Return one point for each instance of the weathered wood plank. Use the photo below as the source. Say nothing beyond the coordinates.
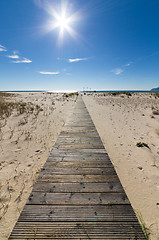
(78, 124)
(82, 146)
(73, 151)
(99, 213)
(77, 198)
(79, 230)
(79, 145)
(75, 139)
(77, 171)
(77, 156)
(78, 140)
(80, 129)
(78, 134)
(76, 178)
(46, 187)
(78, 164)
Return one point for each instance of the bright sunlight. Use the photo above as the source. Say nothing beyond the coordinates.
(62, 18)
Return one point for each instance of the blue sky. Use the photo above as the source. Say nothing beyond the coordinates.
(75, 44)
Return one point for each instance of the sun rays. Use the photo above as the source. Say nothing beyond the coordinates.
(62, 19)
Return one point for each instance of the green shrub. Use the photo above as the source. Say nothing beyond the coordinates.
(142, 144)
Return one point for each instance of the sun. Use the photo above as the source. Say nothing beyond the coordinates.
(62, 22)
(62, 19)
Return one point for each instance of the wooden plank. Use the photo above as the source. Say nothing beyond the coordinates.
(79, 230)
(76, 178)
(78, 134)
(86, 121)
(79, 129)
(73, 151)
(77, 156)
(75, 139)
(46, 187)
(80, 124)
(66, 162)
(79, 145)
(77, 171)
(79, 119)
(99, 213)
(77, 198)
(82, 146)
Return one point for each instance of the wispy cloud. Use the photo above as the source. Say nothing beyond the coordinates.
(71, 60)
(24, 60)
(2, 48)
(15, 56)
(15, 52)
(155, 53)
(49, 73)
(128, 64)
(117, 71)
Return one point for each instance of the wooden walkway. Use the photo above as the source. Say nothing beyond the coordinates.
(78, 194)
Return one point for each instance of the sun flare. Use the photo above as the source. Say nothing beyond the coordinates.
(63, 19)
(62, 22)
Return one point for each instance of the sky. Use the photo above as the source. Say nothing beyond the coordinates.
(75, 45)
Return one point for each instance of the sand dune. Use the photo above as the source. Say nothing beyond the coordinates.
(123, 121)
(27, 138)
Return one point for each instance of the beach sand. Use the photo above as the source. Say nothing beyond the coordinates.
(123, 121)
(27, 138)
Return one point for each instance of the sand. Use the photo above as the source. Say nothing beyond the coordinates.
(122, 121)
(26, 140)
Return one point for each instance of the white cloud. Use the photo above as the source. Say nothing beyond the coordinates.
(128, 64)
(71, 60)
(13, 56)
(24, 60)
(117, 71)
(49, 73)
(2, 48)
(15, 52)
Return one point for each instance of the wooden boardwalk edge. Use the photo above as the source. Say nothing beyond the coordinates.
(78, 194)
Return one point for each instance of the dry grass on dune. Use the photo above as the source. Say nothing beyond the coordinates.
(29, 126)
(8, 105)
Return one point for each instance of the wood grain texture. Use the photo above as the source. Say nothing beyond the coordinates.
(77, 230)
(105, 187)
(78, 194)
